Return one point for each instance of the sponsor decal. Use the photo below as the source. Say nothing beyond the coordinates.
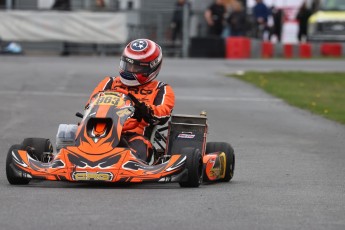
(135, 90)
(186, 135)
(222, 159)
(124, 112)
(156, 61)
(92, 176)
(218, 168)
(215, 172)
(129, 60)
(165, 179)
(141, 91)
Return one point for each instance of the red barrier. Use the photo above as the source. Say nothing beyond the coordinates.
(288, 50)
(238, 47)
(266, 49)
(331, 49)
(305, 50)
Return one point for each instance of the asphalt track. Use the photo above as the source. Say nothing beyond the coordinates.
(290, 164)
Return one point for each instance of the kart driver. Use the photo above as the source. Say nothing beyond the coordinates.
(140, 64)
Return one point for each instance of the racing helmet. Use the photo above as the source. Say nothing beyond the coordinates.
(140, 62)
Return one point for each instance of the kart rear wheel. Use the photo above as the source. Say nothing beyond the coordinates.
(194, 166)
(36, 147)
(212, 147)
(10, 173)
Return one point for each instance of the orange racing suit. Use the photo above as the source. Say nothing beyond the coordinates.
(159, 96)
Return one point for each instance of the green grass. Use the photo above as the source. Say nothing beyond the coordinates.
(321, 93)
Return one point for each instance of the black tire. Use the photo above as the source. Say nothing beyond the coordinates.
(37, 146)
(10, 173)
(195, 167)
(212, 147)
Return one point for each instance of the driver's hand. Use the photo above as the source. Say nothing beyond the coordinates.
(142, 111)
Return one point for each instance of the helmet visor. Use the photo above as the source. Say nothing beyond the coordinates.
(140, 68)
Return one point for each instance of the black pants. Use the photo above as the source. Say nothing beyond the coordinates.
(139, 145)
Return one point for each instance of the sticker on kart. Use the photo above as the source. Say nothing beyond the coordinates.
(218, 170)
(186, 136)
(92, 176)
(112, 100)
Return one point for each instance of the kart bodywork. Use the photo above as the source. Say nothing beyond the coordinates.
(94, 150)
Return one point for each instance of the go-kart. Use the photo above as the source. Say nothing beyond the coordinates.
(94, 150)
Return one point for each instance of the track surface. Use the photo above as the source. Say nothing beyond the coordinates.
(290, 164)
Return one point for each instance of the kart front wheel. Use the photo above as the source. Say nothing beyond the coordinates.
(212, 147)
(11, 173)
(38, 147)
(194, 166)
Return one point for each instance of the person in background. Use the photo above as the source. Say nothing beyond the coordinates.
(2, 4)
(276, 30)
(237, 20)
(177, 20)
(214, 16)
(315, 5)
(100, 4)
(228, 9)
(302, 16)
(62, 5)
(260, 13)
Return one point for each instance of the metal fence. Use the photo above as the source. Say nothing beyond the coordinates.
(151, 24)
(142, 23)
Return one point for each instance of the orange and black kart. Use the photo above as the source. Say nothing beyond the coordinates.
(94, 151)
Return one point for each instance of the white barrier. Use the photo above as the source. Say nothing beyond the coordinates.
(81, 27)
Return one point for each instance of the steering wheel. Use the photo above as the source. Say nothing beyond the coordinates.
(132, 123)
(131, 96)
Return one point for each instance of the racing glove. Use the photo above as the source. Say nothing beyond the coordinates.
(142, 111)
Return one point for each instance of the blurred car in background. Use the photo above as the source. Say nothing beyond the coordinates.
(327, 24)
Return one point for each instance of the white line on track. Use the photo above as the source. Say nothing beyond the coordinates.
(182, 98)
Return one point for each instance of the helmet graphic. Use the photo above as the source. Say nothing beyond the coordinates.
(140, 62)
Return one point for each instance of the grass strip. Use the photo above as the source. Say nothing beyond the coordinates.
(320, 93)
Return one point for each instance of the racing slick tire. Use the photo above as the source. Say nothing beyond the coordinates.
(194, 166)
(10, 173)
(212, 147)
(36, 147)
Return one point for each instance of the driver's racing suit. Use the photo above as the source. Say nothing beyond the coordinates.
(159, 99)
